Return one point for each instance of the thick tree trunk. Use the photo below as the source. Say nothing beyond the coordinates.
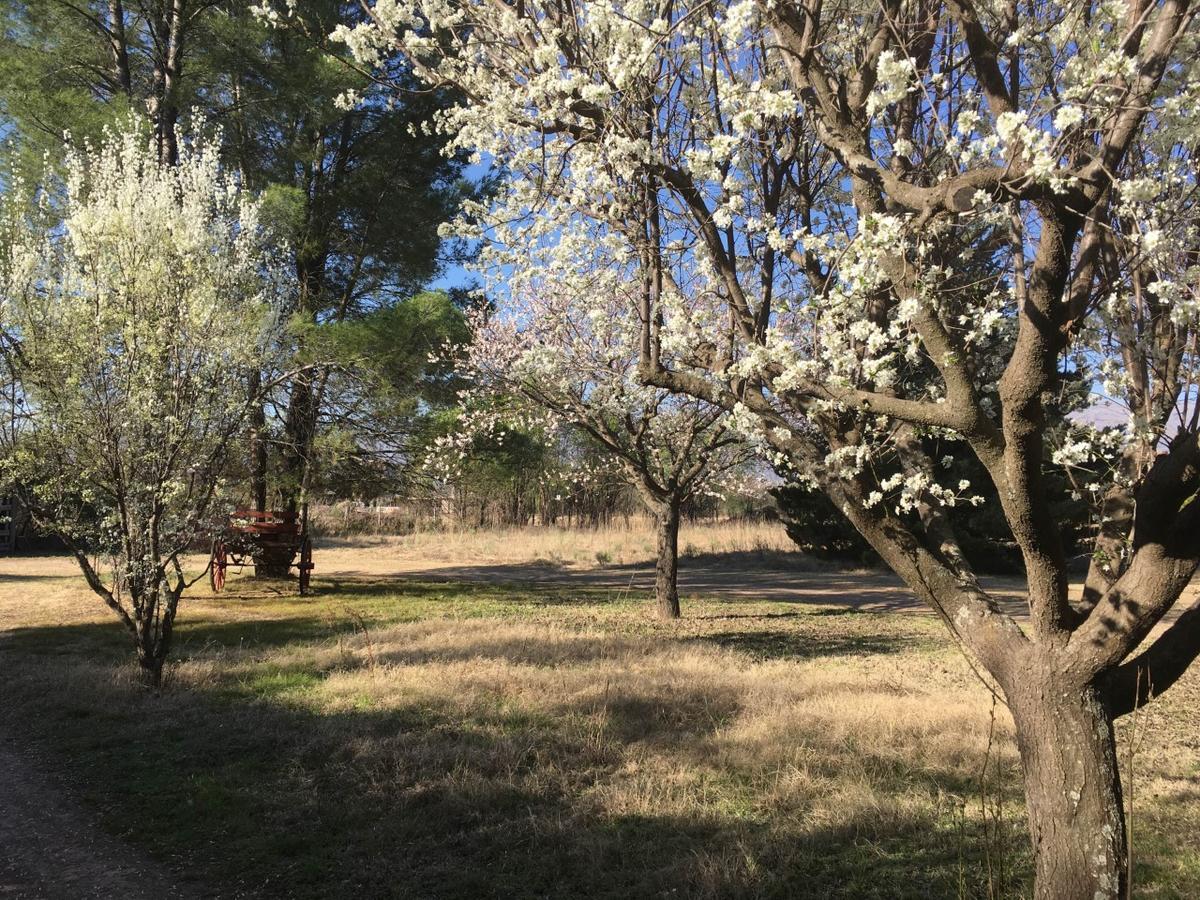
(1072, 790)
(299, 425)
(258, 443)
(272, 562)
(300, 421)
(666, 567)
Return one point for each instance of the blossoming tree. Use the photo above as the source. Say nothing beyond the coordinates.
(562, 352)
(133, 301)
(860, 224)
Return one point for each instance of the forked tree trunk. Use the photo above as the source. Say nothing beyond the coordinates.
(1072, 790)
(153, 626)
(666, 567)
(258, 442)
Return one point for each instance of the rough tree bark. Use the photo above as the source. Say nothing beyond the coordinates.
(258, 444)
(1072, 786)
(666, 565)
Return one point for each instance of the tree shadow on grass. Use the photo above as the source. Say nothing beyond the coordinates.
(341, 609)
(28, 577)
(260, 794)
(111, 642)
(747, 576)
(524, 593)
(765, 645)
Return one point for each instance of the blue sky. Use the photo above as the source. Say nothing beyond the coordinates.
(456, 276)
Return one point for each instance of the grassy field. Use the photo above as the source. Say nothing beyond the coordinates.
(625, 541)
(587, 547)
(409, 739)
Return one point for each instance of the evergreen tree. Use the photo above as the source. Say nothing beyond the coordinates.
(357, 194)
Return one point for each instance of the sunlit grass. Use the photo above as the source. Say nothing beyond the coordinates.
(387, 737)
(622, 543)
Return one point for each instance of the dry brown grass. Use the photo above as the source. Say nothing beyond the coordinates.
(481, 741)
(814, 741)
(580, 548)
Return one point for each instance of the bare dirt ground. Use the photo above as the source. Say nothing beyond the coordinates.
(51, 849)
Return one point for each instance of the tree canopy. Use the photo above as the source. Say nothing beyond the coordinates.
(134, 299)
(355, 192)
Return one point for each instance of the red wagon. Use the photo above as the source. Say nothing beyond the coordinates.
(269, 540)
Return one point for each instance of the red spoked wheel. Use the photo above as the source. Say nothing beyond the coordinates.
(217, 565)
(306, 566)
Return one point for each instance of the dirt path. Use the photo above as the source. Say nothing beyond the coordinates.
(51, 849)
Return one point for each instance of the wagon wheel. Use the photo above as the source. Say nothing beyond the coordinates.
(306, 565)
(217, 565)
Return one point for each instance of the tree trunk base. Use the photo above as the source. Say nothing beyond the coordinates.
(150, 670)
(666, 567)
(1072, 790)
